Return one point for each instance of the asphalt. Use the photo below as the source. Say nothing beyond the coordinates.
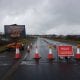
(7, 61)
(54, 71)
(29, 69)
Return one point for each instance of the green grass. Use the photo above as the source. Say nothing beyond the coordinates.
(3, 48)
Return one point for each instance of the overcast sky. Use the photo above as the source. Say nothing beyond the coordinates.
(42, 16)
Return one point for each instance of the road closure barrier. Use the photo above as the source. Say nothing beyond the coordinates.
(65, 51)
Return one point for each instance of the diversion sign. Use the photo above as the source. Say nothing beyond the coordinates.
(15, 30)
(65, 51)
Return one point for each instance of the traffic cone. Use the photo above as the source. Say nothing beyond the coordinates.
(17, 55)
(36, 55)
(31, 45)
(77, 55)
(50, 55)
(28, 49)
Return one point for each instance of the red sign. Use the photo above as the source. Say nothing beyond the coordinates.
(65, 51)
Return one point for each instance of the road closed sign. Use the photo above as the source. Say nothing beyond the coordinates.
(65, 51)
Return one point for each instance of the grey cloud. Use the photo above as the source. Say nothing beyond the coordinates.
(42, 16)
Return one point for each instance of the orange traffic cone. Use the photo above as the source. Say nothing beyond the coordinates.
(50, 55)
(18, 55)
(77, 55)
(36, 55)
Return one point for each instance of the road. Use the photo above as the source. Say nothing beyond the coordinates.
(7, 61)
(29, 69)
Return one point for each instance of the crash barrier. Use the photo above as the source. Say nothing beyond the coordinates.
(63, 52)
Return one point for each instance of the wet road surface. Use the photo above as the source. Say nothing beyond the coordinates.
(29, 69)
(54, 71)
(7, 60)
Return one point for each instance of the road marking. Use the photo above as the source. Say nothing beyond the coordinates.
(2, 56)
(4, 64)
(27, 63)
(35, 62)
(25, 57)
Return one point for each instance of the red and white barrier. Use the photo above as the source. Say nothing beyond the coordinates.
(50, 55)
